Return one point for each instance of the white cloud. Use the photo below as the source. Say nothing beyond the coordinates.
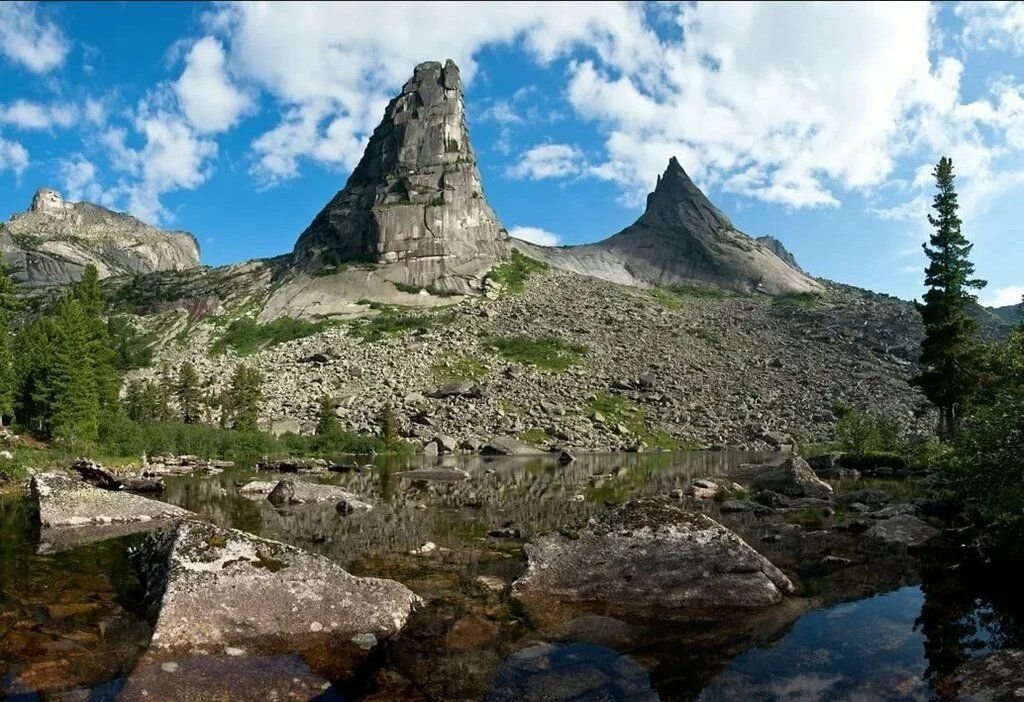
(548, 161)
(24, 114)
(28, 39)
(332, 77)
(172, 157)
(78, 177)
(208, 98)
(1001, 297)
(535, 235)
(995, 24)
(13, 157)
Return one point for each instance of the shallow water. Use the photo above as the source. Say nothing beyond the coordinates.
(895, 629)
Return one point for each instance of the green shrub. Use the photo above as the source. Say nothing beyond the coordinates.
(701, 291)
(513, 275)
(795, 301)
(619, 410)
(667, 299)
(391, 321)
(247, 336)
(862, 433)
(465, 368)
(534, 435)
(548, 353)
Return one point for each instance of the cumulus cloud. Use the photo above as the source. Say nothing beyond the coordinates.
(208, 98)
(28, 39)
(332, 77)
(78, 177)
(24, 114)
(1001, 297)
(535, 235)
(13, 157)
(548, 161)
(994, 24)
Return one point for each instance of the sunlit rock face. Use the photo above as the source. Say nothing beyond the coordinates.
(415, 200)
(54, 240)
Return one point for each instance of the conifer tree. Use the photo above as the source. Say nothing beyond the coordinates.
(74, 401)
(188, 394)
(327, 422)
(242, 399)
(8, 306)
(33, 370)
(947, 352)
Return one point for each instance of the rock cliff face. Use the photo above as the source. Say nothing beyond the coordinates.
(683, 238)
(54, 240)
(415, 200)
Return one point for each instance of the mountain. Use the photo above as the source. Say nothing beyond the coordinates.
(1011, 314)
(682, 238)
(414, 204)
(54, 240)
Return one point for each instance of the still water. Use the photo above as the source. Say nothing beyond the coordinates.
(896, 627)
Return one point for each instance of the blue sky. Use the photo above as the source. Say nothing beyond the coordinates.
(815, 123)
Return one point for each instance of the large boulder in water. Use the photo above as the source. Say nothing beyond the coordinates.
(793, 478)
(65, 501)
(650, 555)
(214, 591)
(296, 492)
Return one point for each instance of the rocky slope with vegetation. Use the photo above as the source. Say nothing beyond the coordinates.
(562, 359)
(53, 242)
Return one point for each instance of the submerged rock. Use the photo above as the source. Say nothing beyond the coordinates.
(296, 492)
(793, 478)
(295, 465)
(258, 487)
(904, 529)
(227, 679)
(261, 597)
(998, 676)
(67, 502)
(651, 554)
(443, 475)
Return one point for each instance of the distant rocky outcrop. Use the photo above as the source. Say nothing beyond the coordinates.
(55, 240)
(683, 238)
(780, 250)
(415, 201)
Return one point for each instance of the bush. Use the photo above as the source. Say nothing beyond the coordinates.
(513, 275)
(618, 410)
(465, 368)
(546, 353)
(862, 433)
(247, 336)
(391, 322)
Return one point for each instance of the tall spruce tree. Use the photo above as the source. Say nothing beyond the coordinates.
(948, 348)
(241, 404)
(74, 397)
(102, 354)
(327, 424)
(188, 394)
(8, 306)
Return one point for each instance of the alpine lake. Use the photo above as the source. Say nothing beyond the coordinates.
(868, 622)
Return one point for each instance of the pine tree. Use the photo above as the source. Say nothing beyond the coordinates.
(33, 371)
(188, 394)
(327, 423)
(388, 427)
(242, 399)
(145, 402)
(947, 351)
(87, 292)
(75, 402)
(8, 306)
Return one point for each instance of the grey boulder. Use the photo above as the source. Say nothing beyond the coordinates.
(68, 502)
(903, 530)
(792, 478)
(507, 446)
(650, 554)
(296, 492)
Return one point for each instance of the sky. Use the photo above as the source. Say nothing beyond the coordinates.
(818, 124)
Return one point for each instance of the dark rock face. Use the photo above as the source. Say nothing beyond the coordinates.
(683, 238)
(650, 553)
(53, 242)
(257, 596)
(415, 199)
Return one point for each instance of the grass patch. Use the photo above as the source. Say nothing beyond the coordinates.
(392, 322)
(701, 291)
(547, 353)
(534, 435)
(513, 275)
(797, 301)
(247, 336)
(811, 519)
(465, 368)
(618, 410)
(667, 299)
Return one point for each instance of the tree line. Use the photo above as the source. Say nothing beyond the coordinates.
(61, 374)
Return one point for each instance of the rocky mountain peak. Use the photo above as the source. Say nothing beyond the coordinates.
(53, 241)
(414, 203)
(48, 200)
(678, 202)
